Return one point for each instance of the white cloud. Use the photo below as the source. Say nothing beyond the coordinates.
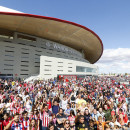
(115, 61)
(5, 9)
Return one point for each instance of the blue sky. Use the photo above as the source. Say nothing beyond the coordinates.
(109, 19)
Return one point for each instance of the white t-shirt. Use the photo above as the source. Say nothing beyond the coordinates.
(77, 100)
(2, 105)
(64, 84)
(64, 104)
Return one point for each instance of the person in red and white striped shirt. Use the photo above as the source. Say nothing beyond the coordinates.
(6, 120)
(21, 109)
(25, 120)
(35, 115)
(45, 116)
(14, 124)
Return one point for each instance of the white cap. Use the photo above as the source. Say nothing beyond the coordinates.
(111, 124)
(118, 124)
(27, 96)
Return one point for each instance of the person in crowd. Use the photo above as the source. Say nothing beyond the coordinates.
(55, 106)
(15, 124)
(54, 119)
(66, 125)
(100, 112)
(100, 124)
(121, 119)
(81, 124)
(112, 122)
(33, 125)
(107, 112)
(71, 118)
(67, 110)
(94, 103)
(92, 125)
(61, 117)
(94, 114)
(64, 101)
(81, 101)
(25, 120)
(6, 120)
(45, 116)
(87, 116)
(52, 126)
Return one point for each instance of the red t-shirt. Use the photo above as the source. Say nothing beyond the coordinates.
(5, 122)
(1, 124)
(49, 105)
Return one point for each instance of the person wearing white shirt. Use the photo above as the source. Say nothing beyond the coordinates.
(100, 113)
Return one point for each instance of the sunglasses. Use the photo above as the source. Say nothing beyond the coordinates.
(67, 123)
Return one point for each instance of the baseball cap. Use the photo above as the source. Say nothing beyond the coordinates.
(82, 96)
(93, 98)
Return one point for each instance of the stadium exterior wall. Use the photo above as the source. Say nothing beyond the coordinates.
(20, 57)
(51, 67)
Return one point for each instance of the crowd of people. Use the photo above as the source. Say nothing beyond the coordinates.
(93, 103)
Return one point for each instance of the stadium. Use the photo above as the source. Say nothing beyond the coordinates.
(39, 46)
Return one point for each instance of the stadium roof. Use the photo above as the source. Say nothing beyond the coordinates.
(64, 32)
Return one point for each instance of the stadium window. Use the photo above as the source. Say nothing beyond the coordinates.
(9, 55)
(58, 54)
(38, 51)
(43, 47)
(37, 55)
(24, 49)
(24, 70)
(8, 60)
(24, 57)
(85, 69)
(8, 69)
(46, 70)
(9, 46)
(22, 43)
(24, 65)
(50, 49)
(47, 61)
(24, 53)
(8, 51)
(48, 65)
(59, 70)
(33, 45)
(25, 61)
(49, 52)
(8, 65)
(7, 41)
(23, 74)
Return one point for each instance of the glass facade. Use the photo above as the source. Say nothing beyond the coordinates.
(85, 69)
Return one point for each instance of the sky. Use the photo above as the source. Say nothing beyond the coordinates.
(109, 19)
